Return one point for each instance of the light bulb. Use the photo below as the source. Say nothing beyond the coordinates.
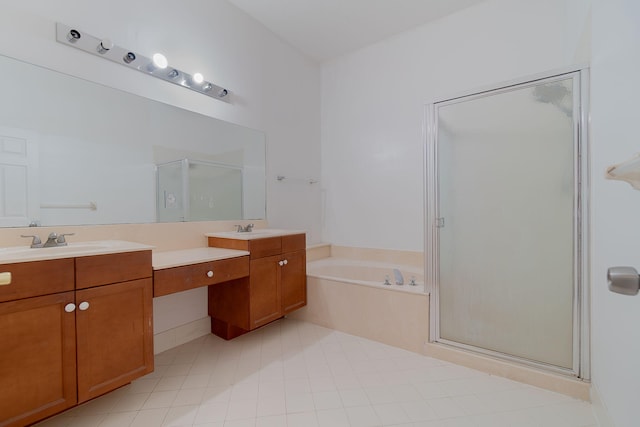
(159, 60)
(129, 57)
(198, 78)
(104, 46)
(73, 36)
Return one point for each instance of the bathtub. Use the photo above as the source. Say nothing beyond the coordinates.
(349, 296)
(366, 273)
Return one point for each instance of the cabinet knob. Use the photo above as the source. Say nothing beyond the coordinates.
(70, 308)
(210, 273)
(83, 305)
(280, 263)
(285, 262)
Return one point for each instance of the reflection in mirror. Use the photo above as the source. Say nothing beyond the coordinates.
(73, 152)
(191, 190)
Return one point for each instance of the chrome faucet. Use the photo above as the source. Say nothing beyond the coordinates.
(53, 240)
(398, 277)
(56, 239)
(246, 229)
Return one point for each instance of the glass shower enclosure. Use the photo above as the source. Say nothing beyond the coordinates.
(194, 190)
(507, 222)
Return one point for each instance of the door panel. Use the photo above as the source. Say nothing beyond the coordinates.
(19, 196)
(294, 281)
(38, 360)
(115, 336)
(265, 291)
(507, 192)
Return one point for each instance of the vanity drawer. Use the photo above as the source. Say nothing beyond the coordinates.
(35, 278)
(260, 248)
(170, 280)
(98, 270)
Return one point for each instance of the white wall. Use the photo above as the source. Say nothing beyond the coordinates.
(615, 205)
(275, 88)
(373, 99)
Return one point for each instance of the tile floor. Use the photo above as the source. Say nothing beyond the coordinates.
(292, 373)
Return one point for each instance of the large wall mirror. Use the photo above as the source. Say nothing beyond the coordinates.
(73, 152)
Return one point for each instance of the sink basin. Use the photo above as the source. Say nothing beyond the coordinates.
(257, 233)
(15, 254)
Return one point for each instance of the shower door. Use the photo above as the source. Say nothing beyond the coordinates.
(505, 226)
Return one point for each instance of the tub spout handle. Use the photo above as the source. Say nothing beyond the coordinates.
(386, 281)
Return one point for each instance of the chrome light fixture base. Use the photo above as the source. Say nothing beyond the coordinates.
(105, 49)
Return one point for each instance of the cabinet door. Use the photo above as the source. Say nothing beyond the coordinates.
(37, 358)
(293, 281)
(115, 336)
(264, 305)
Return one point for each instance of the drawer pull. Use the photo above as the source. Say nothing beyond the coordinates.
(210, 273)
(5, 278)
(70, 308)
(83, 305)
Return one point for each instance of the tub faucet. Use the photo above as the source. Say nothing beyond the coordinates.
(398, 277)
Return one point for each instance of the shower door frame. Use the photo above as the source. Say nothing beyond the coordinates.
(581, 303)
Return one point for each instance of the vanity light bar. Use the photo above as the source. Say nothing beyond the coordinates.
(156, 66)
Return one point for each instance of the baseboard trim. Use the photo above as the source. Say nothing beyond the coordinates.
(179, 335)
(599, 408)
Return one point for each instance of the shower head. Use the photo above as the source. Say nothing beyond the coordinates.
(555, 94)
(550, 93)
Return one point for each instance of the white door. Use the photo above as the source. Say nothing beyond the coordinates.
(19, 198)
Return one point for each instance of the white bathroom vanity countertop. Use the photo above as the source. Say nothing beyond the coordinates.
(170, 259)
(258, 233)
(15, 254)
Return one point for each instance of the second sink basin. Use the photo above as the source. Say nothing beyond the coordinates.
(257, 233)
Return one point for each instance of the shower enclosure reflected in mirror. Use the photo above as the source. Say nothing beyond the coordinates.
(507, 223)
(192, 190)
(73, 152)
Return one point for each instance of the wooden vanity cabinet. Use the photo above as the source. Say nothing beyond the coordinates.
(37, 342)
(277, 284)
(55, 351)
